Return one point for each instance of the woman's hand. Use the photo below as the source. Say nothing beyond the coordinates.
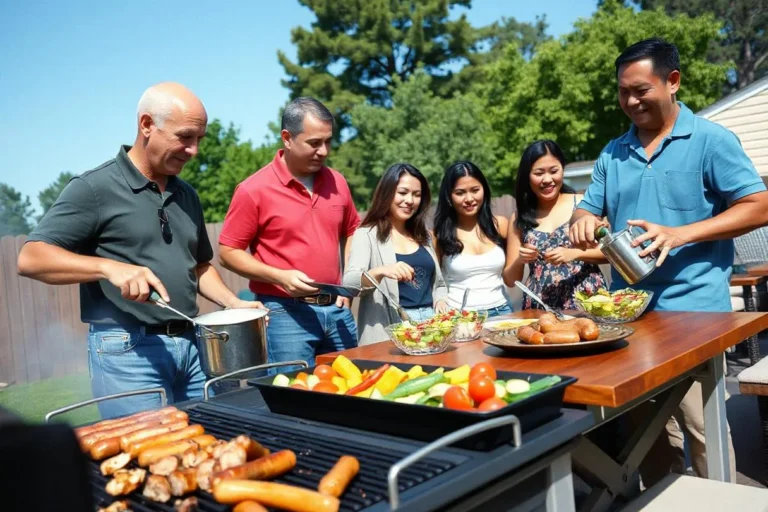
(528, 253)
(441, 306)
(399, 272)
(560, 255)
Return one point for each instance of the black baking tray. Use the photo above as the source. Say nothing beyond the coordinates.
(419, 422)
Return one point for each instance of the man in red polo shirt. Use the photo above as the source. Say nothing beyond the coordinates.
(294, 215)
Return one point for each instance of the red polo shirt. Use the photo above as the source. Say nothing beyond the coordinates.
(273, 214)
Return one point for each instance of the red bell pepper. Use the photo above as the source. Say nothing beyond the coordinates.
(370, 381)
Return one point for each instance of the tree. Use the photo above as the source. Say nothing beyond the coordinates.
(745, 33)
(420, 128)
(221, 163)
(356, 51)
(567, 91)
(49, 195)
(15, 212)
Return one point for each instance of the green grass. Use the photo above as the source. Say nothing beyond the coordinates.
(32, 401)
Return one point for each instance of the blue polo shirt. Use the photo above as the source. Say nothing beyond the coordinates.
(696, 173)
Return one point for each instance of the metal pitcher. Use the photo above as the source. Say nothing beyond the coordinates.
(617, 248)
(245, 344)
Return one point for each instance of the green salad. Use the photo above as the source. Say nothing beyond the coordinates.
(621, 304)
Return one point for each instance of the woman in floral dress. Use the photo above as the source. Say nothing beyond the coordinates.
(538, 233)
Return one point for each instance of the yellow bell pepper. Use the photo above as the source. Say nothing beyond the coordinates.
(366, 393)
(389, 381)
(416, 372)
(354, 381)
(340, 383)
(347, 369)
(439, 370)
(459, 375)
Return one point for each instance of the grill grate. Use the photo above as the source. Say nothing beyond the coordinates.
(315, 456)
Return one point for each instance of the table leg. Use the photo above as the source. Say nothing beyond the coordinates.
(715, 420)
(750, 305)
(560, 485)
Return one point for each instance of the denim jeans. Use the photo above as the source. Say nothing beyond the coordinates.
(300, 331)
(420, 314)
(504, 309)
(126, 359)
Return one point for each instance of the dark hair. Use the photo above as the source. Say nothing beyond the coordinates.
(526, 199)
(446, 217)
(663, 55)
(296, 111)
(378, 214)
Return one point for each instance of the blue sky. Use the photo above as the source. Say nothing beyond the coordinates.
(71, 72)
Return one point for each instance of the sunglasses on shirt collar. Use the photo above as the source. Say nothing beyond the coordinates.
(165, 226)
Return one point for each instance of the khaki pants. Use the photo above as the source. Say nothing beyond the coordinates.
(667, 453)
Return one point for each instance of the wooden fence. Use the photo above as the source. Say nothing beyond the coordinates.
(41, 335)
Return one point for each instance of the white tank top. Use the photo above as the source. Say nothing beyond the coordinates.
(481, 273)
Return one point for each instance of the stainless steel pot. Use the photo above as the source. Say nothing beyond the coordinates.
(244, 345)
(617, 248)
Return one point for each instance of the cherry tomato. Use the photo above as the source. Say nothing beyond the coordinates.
(302, 376)
(325, 372)
(492, 404)
(457, 398)
(482, 369)
(326, 387)
(481, 389)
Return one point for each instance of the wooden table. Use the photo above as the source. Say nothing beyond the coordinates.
(758, 270)
(666, 354)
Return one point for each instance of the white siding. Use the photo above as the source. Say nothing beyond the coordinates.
(748, 119)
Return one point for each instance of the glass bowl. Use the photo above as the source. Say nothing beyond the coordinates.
(421, 341)
(615, 311)
(469, 326)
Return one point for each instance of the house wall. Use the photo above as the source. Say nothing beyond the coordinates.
(749, 121)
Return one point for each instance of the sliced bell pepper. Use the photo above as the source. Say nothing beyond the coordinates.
(459, 375)
(389, 381)
(346, 368)
(340, 383)
(370, 381)
(364, 394)
(415, 372)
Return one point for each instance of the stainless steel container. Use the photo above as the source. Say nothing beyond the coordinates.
(244, 345)
(617, 248)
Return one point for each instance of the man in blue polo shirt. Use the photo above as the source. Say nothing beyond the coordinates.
(688, 183)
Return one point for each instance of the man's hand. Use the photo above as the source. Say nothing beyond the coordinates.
(560, 255)
(342, 302)
(297, 283)
(134, 282)
(582, 232)
(664, 239)
(528, 253)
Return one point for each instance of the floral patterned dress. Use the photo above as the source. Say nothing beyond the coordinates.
(556, 284)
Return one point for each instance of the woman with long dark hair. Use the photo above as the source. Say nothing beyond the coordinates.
(538, 233)
(470, 241)
(394, 246)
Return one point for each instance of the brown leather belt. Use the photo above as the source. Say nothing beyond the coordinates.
(172, 328)
(322, 299)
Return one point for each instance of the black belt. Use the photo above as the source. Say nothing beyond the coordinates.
(172, 328)
(322, 299)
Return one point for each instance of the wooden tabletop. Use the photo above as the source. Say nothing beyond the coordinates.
(664, 346)
(759, 270)
(746, 280)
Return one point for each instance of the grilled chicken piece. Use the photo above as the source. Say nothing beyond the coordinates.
(115, 463)
(187, 505)
(164, 466)
(253, 449)
(204, 473)
(117, 506)
(216, 448)
(183, 481)
(157, 488)
(126, 481)
(193, 458)
(234, 455)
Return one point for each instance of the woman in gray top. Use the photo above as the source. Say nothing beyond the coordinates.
(394, 246)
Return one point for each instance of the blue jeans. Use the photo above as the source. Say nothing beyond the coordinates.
(420, 314)
(299, 331)
(504, 309)
(126, 359)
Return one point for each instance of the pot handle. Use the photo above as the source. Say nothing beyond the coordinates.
(160, 391)
(394, 471)
(208, 383)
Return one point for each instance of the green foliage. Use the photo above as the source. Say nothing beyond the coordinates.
(15, 212)
(49, 194)
(222, 162)
(567, 91)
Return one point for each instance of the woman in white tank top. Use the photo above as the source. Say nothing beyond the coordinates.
(470, 241)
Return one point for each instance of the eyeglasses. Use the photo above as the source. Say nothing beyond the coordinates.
(165, 226)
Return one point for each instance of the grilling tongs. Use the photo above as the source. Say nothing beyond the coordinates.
(392, 302)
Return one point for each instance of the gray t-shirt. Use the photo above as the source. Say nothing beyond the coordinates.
(113, 212)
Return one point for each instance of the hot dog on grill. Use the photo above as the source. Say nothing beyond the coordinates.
(125, 420)
(185, 433)
(87, 442)
(140, 435)
(276, 495)
(338, 478)
(265, 468)
(204, 440)
(154, 454)
(253, 450)
(105, 448)
(528, 334)
(183, 481)
(249, 506)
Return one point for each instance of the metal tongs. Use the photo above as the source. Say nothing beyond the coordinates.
(155, 297)
(535, 297)
(392, 302)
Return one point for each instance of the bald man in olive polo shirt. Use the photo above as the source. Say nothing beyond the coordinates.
(123, 228)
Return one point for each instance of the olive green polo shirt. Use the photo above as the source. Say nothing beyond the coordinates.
(112, 212)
